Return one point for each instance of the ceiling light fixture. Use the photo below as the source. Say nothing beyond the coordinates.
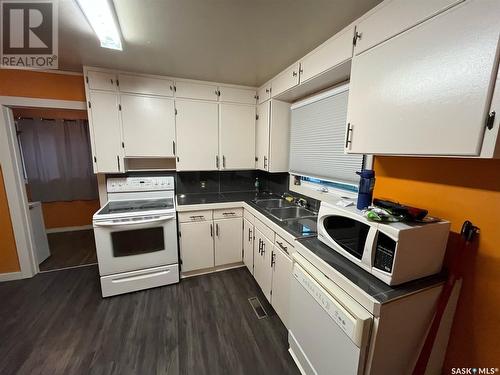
(100, 15)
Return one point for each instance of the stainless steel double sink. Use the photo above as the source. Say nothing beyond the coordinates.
(284, 210)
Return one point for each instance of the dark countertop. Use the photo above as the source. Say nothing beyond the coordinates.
(299, 228)
(374, 287)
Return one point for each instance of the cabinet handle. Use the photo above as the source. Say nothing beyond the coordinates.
(263, 248)
(228, 213)
(118, 161)
(111, 81)
(284, 248)
(348, 135)
(211, 230)
(217, 161)
(265, 162)
(267, 91)
(173, 147)
(294, 73)
(217, 230)
(223, 161)
(249, 234)
(273, 255)
(260, 245)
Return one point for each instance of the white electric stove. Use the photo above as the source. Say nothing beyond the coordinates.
(136, 235)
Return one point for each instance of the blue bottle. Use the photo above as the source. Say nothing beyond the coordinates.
(366, 185)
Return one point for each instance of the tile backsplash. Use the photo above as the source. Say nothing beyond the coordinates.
(227, 181)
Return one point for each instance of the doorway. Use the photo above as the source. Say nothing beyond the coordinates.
(61, 189)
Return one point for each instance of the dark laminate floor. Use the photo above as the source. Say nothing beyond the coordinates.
(57, 323)
(69, 249)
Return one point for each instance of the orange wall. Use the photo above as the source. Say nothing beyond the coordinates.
(34, 85)
(69, 214)
(8, 253)
(459, 190)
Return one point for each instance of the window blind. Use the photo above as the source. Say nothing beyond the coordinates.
(317, 139)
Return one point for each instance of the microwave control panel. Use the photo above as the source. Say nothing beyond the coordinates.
(385, 251)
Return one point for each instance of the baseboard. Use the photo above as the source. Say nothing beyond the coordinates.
(205, 271)
(68, 229)
(11, 276)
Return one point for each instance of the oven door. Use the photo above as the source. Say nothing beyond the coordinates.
(135, 243)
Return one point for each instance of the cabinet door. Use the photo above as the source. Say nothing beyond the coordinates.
(262, 136)
(196, 245)
(197, 125)
(286, 80)
(237, 95)
(282, 272)
(106, 134)
(148, 126)
(333, 52)
(264, 93)
(248, 240)
(427, 91)
(228, 241)
(237, 136)
(101, 81)
(403, 14)
(279, 136)
(146, 85)
(191, 90)
(262, 263)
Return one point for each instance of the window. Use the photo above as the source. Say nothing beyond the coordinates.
(317, 142)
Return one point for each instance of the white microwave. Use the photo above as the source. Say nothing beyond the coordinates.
(394, 253)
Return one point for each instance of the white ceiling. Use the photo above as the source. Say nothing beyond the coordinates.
(233, 41)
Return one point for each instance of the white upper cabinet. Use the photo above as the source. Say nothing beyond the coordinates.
(145, 85)
(237, 136)
(333, 52)
(192, 90)
(264, 93)
(228, 241)
(394, 17)
(148, 126)
(272, 136)
(428, 90)
(262, 128)
(197, 126)
(286, 80)
(97, 80)
(237, 95)
(104, 119)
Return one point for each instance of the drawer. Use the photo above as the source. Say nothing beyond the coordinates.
(264, 229)
(138, 280)
(284, 245)
(227, 213)
(191, 216)
(247, 215)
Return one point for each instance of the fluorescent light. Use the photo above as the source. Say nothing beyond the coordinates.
(101, 17)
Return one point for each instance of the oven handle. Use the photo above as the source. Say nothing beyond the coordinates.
(123, 223)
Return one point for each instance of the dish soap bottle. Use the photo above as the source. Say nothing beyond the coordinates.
(257, 185)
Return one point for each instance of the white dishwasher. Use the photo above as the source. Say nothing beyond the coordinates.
(328, 330)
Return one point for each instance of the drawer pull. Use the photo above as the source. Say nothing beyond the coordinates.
(228, 213)
(283, 247)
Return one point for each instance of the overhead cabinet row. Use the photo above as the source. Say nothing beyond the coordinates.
(163, 86)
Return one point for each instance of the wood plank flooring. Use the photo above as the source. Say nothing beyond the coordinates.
(69, 249)
(58, 323)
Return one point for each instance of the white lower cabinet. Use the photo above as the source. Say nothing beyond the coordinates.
(248, 241)
(263, 271)
(196, 245)
(282, 272)
(228, 241)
